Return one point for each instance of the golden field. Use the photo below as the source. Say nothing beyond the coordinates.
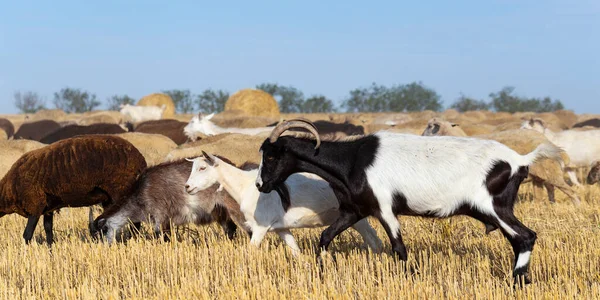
(455, 260)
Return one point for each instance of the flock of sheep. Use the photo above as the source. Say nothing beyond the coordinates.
(264, 176)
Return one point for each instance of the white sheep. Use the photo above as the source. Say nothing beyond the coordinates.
(582, 146)
(312, 201)
(137, 113)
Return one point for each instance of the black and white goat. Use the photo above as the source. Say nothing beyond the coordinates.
(388, 174)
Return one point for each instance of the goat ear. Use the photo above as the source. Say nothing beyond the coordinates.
(209, 158)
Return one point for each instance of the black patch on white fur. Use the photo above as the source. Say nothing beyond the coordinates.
(497, 177)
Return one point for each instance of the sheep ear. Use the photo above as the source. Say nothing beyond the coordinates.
(210, 116)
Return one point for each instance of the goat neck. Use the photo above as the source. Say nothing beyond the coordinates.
(234, 180)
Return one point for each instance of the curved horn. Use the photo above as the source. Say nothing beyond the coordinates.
(295, 123)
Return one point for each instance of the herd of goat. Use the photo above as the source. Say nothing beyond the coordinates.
(310, 175)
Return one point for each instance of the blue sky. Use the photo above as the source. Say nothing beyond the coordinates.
(543, 48)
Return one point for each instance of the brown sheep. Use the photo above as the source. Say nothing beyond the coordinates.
(77, 172)
(172, 129)
(594, 175)
(35, 131)
(160, 198)
(75, 130)
(8, 127)
(546, 173)
(438, 126)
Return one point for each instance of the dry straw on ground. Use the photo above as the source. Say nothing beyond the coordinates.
(158, 99)
(456, 261)
(253, 103)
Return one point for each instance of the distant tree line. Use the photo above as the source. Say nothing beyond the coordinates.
(414, 96)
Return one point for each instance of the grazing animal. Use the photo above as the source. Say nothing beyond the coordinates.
(338, 129)
(137, 113)
(595, 122)
(583, 147)
(544, 173)
(201, 124)
(70, 131)
(388, 174)
(77, 172)
(594, 174)
(439, 127)
(35, 131)
(8, 127)
(312, 203)
(160, 198)
(172, 129)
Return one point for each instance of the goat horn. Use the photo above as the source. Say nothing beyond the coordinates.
(295, 123)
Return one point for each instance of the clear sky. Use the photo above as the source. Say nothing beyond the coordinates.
(542, 47)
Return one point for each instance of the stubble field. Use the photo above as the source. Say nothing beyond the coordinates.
(454, 258)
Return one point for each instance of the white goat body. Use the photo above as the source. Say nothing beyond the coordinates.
(312, 201)
(137, 113)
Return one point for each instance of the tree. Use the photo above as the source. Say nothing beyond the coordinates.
(289, 98)
(115, 102)
(464, 103)
(75, 101)
(182, 99)
(212, 101)
(505, 100)
(29, 102)
(378, 98)
(318, 104)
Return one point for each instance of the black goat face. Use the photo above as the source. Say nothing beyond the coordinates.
(275, 166)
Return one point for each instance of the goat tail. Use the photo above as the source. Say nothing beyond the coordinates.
(544, 150)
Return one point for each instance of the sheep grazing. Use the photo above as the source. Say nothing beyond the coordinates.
(161, 199)
(440, 127)
(388, 174)
(583, 147)
(76, 172)
(35, 131)
(591, 122)
(545, 173)
(75, 130)
(154, 147)
(137, 114)
(594, 174)
(312, 203)
(337, 129)
(172, 129)
(8, 127)
(202, 125)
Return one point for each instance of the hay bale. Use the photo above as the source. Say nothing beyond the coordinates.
(48, 114)
(253, 103)
(3, 135)
(425, 115)
(158, 99)
(239, 148)
(475, 115)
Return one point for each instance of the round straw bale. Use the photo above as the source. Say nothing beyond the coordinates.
(450, 114)
(568, 117)
(253, 103)
(475, 115)
(100, 117)
(158, 99)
